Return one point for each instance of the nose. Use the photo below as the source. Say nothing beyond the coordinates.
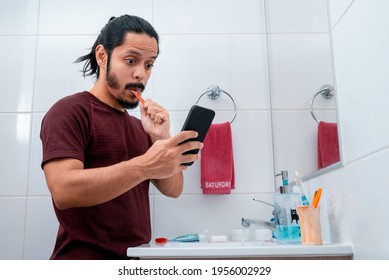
(139, 73)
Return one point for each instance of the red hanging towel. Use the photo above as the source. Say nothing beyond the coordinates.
(327, 144)
(217, 160)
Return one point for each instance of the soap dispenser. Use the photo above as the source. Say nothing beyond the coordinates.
(285, 182)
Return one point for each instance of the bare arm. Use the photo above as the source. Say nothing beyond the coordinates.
(172, 186)
(73, 186)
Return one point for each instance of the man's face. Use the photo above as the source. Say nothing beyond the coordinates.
(130, 67)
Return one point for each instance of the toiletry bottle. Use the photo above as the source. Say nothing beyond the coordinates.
(285, 181)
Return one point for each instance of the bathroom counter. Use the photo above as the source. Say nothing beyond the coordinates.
(240, 250)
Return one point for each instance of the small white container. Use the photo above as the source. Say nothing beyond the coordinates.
(262, 234)
(241, 235)
(217, 238)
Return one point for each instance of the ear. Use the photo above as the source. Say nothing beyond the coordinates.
(101, 56)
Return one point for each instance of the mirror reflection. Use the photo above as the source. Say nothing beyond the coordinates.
(304, 120)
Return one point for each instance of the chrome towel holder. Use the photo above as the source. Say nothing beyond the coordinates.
(327, 92)
(213, 92)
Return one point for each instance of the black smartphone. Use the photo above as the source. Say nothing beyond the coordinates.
(199, 119)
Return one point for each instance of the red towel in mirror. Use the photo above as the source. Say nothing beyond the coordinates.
(327, 144)
(217, 160)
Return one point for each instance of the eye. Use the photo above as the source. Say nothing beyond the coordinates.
(130, 60)
(149, 65)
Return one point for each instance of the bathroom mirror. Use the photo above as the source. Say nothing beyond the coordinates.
(300, 67)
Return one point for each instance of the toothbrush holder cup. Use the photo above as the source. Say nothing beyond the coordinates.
(310, 225)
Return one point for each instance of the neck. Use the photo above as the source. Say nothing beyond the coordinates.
(101, 92)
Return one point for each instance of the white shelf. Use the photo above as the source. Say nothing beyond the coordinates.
(237, 250)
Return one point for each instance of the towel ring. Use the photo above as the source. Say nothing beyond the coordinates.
(326, 91)
(213, 93)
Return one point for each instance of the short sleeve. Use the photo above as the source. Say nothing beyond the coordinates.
(64, 131)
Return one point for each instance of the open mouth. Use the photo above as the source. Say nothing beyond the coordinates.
(137, 89)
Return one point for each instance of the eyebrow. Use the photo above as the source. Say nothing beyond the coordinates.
(139, 54)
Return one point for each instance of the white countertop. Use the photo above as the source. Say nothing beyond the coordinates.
(237, 249)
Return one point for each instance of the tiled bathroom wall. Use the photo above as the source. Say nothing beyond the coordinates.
(361, 51)
(354, 196)
(247, 48)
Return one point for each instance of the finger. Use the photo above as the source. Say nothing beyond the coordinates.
(154, 110)
(146, 105)
(190, 146)
(190, 158)
(143, 110)
(161, 117)
(183, 136)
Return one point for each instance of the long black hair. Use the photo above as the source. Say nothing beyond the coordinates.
(111, 36)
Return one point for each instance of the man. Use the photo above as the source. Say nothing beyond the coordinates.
(98, 160)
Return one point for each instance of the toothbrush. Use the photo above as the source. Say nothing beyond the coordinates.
(316, 198)
(138, 96)
(299, 183)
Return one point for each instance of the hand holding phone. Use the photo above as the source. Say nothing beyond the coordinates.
(199, 119)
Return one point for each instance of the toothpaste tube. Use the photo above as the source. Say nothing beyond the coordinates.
(192, 237)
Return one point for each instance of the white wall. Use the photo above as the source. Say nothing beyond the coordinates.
(361, 51)
(202, 43)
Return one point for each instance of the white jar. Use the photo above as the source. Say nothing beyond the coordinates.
(241, 235)
(262, 234)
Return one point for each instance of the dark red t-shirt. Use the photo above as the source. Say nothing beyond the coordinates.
(81, 126)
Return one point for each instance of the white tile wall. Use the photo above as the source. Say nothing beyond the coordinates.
(86, 17)
(14, 153)
(12, 227)
(202, 43)
(19, 17)
(189, 64)
(361, 40)
(41, 228)
(298, 16)
(369, 204)
(17, 80)
(56, 73)
(205, 17)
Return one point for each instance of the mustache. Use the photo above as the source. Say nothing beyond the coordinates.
(135, 85)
